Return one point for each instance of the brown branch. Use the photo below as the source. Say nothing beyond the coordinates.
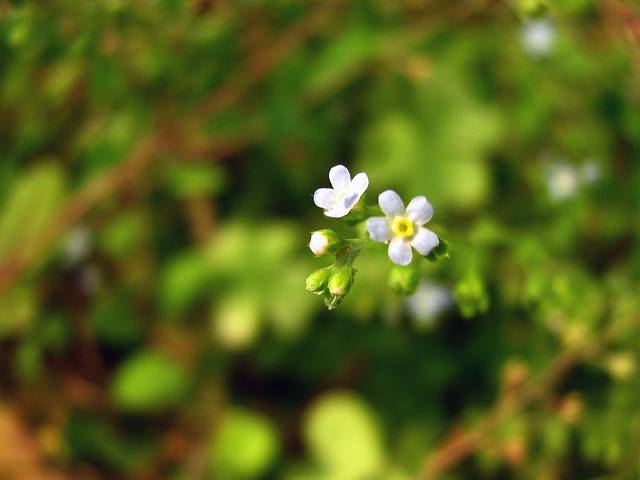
(517, 392)
(622, 22)
(263, 62)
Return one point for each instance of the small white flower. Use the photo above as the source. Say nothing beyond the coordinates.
(339, 200)
(538, 37)
(429, 301)
(402, 228)
(591, 172)
(77, 245)
(319, 243)
(562, 181)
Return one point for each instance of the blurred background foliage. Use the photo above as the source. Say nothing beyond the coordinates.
(157, 160)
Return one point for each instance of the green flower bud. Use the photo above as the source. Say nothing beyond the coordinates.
(341, 281)
(404, 280)
(318, 280)
(325, 241)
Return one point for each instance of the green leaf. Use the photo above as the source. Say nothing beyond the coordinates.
(194, 180)
(116, 324)
(343, 436)
(91, 439)
(124, 233)
(184, 279)
(29, 208)
(149, 382)
(245, 445)
(18, 308)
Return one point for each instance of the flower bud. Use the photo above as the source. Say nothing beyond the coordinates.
(341, 281)
(318, 280)
(325, 241)
(404, 280)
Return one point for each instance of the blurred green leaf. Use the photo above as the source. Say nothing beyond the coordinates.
(126, 232)
(149, 382)
(29, 208)
(184, 279)
(342, 434)
(245, 445)
(116, 324)
(18, 308)
(194, 180)
(91, 439)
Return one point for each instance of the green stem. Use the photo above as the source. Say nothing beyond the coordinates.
(347, 254)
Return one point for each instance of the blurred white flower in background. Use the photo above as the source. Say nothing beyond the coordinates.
(77, 245)
(538, 37)
(562, 180)
(338, 201)
(591, 172)
(428, 303)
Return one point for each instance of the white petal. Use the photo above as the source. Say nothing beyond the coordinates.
(323, 197)
(420, 210)
(400, 252)
(425, 241)
(379, 229)
(360, 183)
(339, 177)
(391, 203)
(349, 201)
(337, 212)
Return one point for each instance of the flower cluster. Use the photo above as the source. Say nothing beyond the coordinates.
(402, 228)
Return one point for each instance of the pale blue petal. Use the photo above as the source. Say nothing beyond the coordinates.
(378, 228)
(400, 252)
(420, 210)
(425, 241)
(323, 197)
(339, 177)
(391, 203)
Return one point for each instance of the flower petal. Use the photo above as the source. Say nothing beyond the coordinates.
(391, 203)
(349, 201)
(339, 177)
(323, 197)
(400, 252)
(360, 183)
(420, 210)
(379, 229)
(425, 241)
(336, 212)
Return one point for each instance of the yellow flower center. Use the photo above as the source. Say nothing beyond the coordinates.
(402, 227)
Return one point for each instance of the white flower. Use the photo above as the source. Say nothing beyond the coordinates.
(591, 172)
(339, 200)
(562, 180)
(402, 228)
(429, 301)
(77, 245)
(538, 37)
